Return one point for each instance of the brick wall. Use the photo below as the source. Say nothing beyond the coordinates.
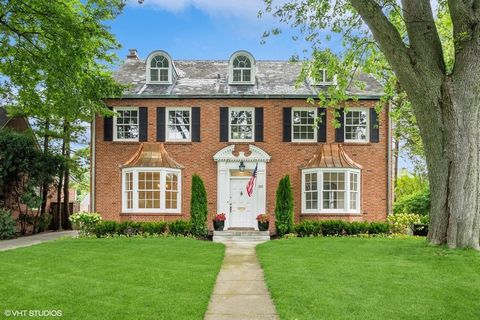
(197, 157)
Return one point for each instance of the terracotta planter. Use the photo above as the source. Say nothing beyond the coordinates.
(263, 226)
(218, 225)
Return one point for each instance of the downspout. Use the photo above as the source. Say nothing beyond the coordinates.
(92, 165)
(389, 161)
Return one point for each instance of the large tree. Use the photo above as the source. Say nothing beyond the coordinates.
(441, 82)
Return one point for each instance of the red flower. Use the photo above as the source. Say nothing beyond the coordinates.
(262, 217)
(220, 217)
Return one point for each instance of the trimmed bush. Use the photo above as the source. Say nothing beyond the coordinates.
(308, 228)
(198, 207)
(105, 228)
(85, 222)
(7, 225)
(284, 207)
(153, 227)
(416, 203)
(313, 228)
(180, 227)
(378, 228)
(128, 228)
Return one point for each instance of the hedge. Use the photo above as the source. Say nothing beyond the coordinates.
(314, 228)
(105, 228)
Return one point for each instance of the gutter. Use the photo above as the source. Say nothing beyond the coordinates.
(389, 161)
(236, 96)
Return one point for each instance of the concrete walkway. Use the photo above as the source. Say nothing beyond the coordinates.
(35, 239)
(240, 292)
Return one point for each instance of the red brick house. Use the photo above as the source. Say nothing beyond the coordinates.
(221, 119)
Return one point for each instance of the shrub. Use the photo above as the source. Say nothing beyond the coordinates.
(356, 227)
(104, 228)
(308, 228)
(7, 225)
(334, 227)
(128, 228)
(198, 207)
(153, 227)
(402, 222)
(284, 207)
(85, 222)
(378, 228)
(180, 227)
(416, 203)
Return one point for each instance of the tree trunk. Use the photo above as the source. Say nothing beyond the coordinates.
(395, 165)
(45, 185)
(66, 184)
(60, 180)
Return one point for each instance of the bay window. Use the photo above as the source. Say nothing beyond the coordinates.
(330, 190)
(151, 190)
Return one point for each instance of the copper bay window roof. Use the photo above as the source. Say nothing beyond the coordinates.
(331, 156)
(152, 155)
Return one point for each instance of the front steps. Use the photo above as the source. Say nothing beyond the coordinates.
(241, 236)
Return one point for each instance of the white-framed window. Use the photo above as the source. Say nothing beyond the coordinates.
(151, 190)
(242, 68)
(179, 124)
(304, 128)
(323, 78)
(356, 125)
(125, 124)
(159, 68)
(241, 124)
(331, 191)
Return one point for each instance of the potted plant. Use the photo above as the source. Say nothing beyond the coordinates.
(219, 221)
(263, 222)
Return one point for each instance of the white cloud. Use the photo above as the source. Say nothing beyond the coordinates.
(239, 8)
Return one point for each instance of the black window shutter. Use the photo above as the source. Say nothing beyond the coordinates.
(108, 128)
(374, 127)
(340, 131)
(223, 124)
(143, 123)
(259, 124)
(196, 124)
(287, 124)
(322, 125)
(161, 124)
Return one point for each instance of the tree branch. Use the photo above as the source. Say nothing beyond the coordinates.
(422, 33)
(387, 36)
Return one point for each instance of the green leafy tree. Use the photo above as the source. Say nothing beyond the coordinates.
(432, 54)
(198, 207)
(55, 67)
(284, 207)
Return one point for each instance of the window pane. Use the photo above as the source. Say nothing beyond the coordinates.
(126, 123)
(237, 75)
(356, 125)
(153, 74)
(149, 190)
(178, 125)
(164, 75)
(241, 125)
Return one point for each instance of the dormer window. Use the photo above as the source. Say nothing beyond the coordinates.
(242, 68)
(323, 78)
(159, 68)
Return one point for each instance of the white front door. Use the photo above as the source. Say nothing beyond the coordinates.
(242, 213)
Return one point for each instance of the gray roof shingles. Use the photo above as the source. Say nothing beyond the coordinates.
(209, 78)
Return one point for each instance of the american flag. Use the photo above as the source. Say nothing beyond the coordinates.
(251, 182)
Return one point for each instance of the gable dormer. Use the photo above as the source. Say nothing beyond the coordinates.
(159, 68)
(241, 68)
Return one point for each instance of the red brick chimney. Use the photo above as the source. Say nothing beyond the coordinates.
(132, 54)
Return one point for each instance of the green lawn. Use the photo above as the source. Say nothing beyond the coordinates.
(375, 278)
(115, 279)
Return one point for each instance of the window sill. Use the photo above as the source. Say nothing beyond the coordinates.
(359, 143)
(124, 141)
(331, 214)
(150, 214)
(305, 143)
(179, 142)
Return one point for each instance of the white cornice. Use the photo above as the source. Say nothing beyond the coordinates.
(256, 155)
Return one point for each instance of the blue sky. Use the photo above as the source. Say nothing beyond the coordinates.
(201, 29)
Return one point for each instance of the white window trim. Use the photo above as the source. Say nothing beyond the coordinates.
(252, 109)
(115, 136)
(167, 110)
(163, 173)
(170, 66)
(252, 69)
(323, 82)
(315, 126)
(367, 136)
(319, 210)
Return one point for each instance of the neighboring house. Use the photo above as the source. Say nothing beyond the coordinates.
(221, 119)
